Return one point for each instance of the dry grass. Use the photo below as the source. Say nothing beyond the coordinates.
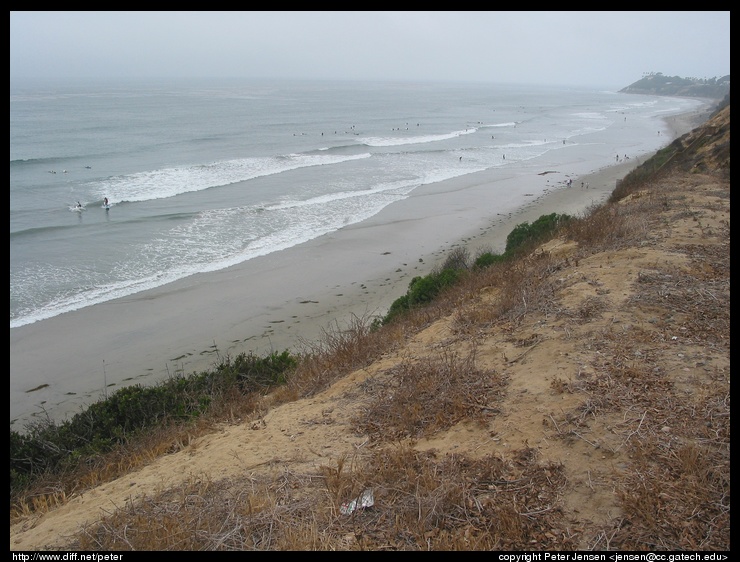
(420, 398)
(421, 502)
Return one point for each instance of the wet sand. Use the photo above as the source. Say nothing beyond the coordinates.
(284, 300)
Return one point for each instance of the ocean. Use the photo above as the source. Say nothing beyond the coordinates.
(203, 174)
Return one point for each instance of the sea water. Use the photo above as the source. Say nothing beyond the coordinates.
(204, 174)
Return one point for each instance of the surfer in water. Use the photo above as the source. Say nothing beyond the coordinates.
(105, 202)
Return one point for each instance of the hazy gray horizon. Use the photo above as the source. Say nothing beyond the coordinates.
(595, 49)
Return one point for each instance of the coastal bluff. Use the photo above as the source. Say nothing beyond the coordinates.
(656, 83)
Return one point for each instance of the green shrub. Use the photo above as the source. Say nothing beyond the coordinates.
(422, 290)
(525, 235)
(427, 288)
(487, 259)
(257, 373)
(399, 306)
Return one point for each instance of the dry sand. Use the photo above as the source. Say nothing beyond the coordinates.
(279, 301)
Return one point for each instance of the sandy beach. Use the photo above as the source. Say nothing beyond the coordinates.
(279, 301)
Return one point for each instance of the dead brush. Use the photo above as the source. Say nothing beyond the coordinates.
(530, 289)
(491, 290)
(517, 289)
(233, 407)
(675, 493)
(340, 482)
(612, 226)
(164, 522)
(677, 498)
(46, 497)
(237, 514)
(703, 300)
(456, 503)
(588, 309)
(560, 386)
(340, 351)
(422, 502)
(418, 399)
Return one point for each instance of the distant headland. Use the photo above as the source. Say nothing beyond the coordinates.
(658, 84)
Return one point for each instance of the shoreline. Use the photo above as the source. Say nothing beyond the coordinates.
(280, 301)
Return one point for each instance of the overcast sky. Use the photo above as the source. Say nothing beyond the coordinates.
(602, 49)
